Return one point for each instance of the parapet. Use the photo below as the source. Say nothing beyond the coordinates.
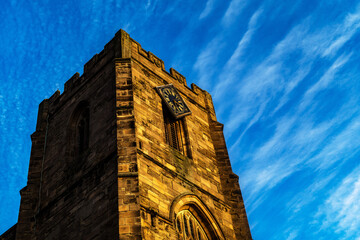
(120, 47)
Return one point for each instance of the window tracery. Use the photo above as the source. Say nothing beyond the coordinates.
(193, 220)
(188, 227)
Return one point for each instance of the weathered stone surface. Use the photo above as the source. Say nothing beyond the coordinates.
(128, 183)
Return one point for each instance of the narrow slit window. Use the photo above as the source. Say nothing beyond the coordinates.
(82, 132)
(78, 132)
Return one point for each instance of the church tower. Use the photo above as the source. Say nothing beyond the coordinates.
(129, 151)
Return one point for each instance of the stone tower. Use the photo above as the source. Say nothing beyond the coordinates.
(110, 158)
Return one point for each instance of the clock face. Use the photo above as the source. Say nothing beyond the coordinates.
(173, 100)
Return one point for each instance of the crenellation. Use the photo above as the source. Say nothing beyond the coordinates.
(159, 63)
(68, 86)
(88, 67)
(196, 89)
(141, 51)
(178, 76)
(108, 48)
(102, 165)
(55, 97)
(96, 63)
(42, 114)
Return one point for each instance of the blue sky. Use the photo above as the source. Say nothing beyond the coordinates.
(284, 76)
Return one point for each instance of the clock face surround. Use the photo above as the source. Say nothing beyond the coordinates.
(173, 100)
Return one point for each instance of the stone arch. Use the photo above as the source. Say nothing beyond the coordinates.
(189, 203)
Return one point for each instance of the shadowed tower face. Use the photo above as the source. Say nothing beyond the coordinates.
(128, 151)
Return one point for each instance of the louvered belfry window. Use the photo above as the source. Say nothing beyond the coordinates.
(175, 132)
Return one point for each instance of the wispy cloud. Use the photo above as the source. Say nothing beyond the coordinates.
(340, 148)
(234, 64)
(272, 80)
(292, 234)
(291, 140)
(310, 193)
(264, 178)
(344, 33)
(263, 92)
(206, 60)
(325, 80)
(208, 8)
(235, 8)
(298, 137)
(300, 202)
(341, 209)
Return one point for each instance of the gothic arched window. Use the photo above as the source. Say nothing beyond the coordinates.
(188, 227)
(78, 131)
(82, 132)
(193, 220)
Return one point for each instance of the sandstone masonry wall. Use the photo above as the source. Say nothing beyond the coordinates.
(69, 196)
(164, 173)
(128, 183)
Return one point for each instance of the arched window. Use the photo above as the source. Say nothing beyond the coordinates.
(82, 132)
(78, 131)
(188, 227)
(193, 220)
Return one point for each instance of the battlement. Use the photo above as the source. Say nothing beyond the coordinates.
(107, 54)
(122, 46)
(159, 63)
